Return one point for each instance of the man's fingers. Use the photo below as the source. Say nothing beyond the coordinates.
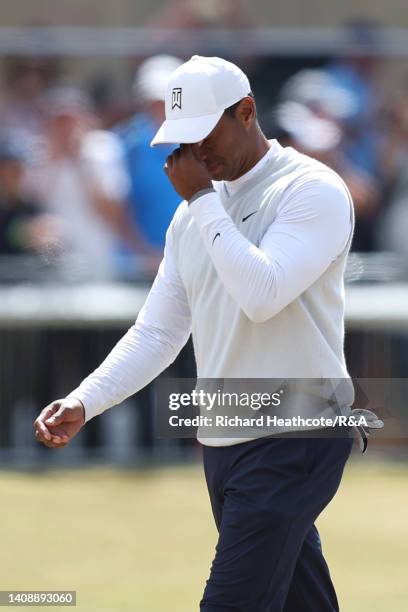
(55, 442)
(173, 157)
(56, 419)
(39, 423)
(46, 441)
(41, 430)
(63, 414)
(49, 410)
(59, 436)
(194, 151)
(168, 166)
(169, 162)
(186, 149)
(58, 442)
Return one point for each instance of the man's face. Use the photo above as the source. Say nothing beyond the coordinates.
(225, 150)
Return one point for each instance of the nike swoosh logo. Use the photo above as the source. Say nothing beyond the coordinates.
(216, 236)
(250, 215)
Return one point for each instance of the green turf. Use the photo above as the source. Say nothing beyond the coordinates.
(143, 541)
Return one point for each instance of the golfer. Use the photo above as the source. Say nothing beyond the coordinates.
(253, 267)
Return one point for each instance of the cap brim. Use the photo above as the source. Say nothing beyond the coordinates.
(189, 130)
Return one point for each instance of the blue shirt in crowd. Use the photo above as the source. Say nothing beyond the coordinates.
(362, 150)
(153, 199)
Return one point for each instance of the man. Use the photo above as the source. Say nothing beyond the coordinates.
(152, 198)
(81, 180)
(22, 224)
(253, 266)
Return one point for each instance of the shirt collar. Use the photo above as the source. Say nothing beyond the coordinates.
(231, 187)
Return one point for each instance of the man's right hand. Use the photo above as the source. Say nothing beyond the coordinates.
(59, 422)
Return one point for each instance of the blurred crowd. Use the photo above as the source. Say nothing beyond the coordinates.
(338, 115)
(90, 201)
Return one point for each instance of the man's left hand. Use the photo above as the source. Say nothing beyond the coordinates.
(187, 173)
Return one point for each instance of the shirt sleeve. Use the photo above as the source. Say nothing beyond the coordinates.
(312, 227)
(149, 346)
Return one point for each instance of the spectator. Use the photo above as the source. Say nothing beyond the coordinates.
(82, 180)
(152, 197)
(22, 108)
(355, 72)
(23, 228)
(314, 111)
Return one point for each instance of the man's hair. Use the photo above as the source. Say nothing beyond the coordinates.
(231, 109)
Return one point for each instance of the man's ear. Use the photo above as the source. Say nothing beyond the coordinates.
(246, 111)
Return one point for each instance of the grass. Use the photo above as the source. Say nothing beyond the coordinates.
(143, 541)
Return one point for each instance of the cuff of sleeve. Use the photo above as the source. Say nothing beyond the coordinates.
(200, 193)
(90, 411)
(207, 208)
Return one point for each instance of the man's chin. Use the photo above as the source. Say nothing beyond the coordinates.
(217, 174)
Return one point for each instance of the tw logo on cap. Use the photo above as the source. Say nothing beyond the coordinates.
(176, 98)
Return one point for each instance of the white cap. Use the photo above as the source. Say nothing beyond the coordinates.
(197, 94)
(153, 75)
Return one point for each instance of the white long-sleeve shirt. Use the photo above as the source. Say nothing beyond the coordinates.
(255, 271)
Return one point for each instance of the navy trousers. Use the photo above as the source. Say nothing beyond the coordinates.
(265, 496)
